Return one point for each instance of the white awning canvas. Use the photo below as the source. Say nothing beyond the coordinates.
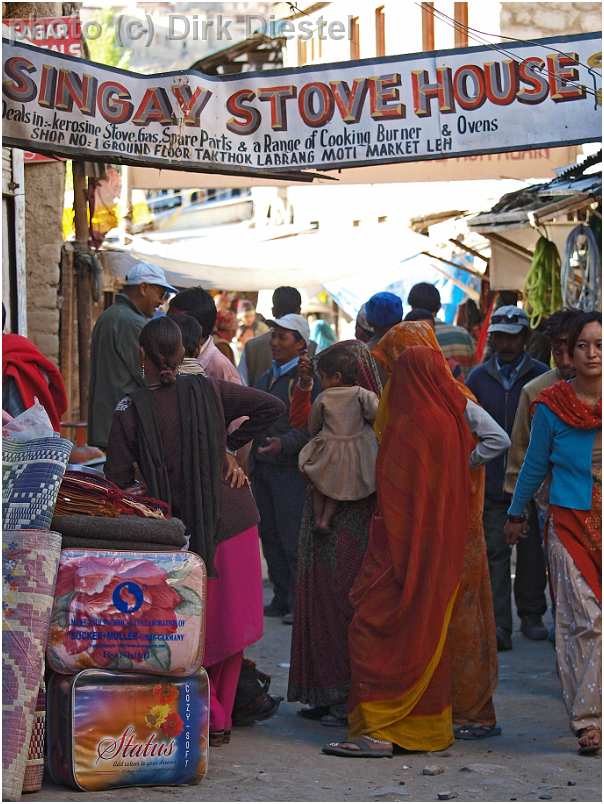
(239, 258)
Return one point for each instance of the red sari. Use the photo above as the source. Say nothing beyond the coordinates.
(406, 589)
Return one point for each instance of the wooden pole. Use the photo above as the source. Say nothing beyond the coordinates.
(84, 286)
(67, 325)
(126, 198)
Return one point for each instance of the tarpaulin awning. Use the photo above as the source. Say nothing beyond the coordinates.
(240, 258)
(454, 286)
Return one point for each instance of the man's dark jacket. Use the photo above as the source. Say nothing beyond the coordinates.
(292, 438)
(485, 382)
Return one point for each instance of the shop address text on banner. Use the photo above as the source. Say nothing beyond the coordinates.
(374, 111)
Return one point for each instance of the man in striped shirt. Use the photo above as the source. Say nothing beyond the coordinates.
(456, 342)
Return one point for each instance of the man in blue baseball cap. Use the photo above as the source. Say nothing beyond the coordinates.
(497, 385)
(115, 365)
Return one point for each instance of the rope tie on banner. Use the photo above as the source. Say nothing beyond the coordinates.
(581, 269)
(86, 261)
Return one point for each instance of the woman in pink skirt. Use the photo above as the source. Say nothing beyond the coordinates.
(175, 431)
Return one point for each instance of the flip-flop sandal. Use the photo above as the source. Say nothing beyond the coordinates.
(363, 750)
(314, 712)
(476, 732)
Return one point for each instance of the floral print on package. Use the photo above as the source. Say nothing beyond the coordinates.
(128, 611)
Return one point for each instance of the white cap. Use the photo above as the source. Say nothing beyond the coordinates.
(150, 274)
(509, 319)
(293, 322)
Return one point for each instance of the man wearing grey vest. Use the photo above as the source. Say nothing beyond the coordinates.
(257, 357)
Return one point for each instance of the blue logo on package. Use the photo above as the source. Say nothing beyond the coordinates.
(123, 594)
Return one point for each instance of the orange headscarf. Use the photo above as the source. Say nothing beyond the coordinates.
(401, 337)
(391, 347)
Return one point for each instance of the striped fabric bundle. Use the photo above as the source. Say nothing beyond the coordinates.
(31, 475)
(93, 495)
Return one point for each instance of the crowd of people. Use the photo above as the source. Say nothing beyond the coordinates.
(387, 479)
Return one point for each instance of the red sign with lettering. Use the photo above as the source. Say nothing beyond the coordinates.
(62, 34)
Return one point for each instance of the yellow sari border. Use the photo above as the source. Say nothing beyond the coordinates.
(393, 718)
(421, 732)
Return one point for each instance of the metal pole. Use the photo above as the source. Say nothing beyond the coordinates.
(84, 286)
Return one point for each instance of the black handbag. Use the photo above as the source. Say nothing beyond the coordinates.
(252, 701)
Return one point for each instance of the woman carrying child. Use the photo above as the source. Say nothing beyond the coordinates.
(328, 562)
(339, 460)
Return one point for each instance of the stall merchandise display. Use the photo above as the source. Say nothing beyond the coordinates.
(542, 289)
(582, 270)
(115, 533)
(32, 472)
(127, 610)
(91, 494)
(109, 729)
(34, 767)
(30, 560)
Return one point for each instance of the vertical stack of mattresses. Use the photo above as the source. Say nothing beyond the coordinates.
(128, 701)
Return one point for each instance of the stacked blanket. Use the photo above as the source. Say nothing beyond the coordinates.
(121, 532)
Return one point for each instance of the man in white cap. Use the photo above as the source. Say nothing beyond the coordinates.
(497, 384)
(278, 484)
(115, 364)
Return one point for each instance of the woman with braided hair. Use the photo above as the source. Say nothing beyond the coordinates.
(175, 431)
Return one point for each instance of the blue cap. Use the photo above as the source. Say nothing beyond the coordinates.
(384, 310)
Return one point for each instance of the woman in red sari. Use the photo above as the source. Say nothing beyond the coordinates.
(472, 644)
(566, 439)
(406, 589)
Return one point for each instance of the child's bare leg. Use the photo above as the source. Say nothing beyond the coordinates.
(318, 502)
(329, 509)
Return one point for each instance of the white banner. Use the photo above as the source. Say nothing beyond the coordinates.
(452, 103)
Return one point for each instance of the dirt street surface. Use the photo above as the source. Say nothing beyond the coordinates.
(535, 759)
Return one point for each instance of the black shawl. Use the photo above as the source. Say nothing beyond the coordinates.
(203, 437)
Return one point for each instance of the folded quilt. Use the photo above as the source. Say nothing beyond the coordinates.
(121, 532)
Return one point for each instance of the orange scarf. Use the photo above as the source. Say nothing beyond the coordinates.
(401, 337)
(562, 400)
(579, 531)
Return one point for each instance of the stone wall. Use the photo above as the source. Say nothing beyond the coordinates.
(530, 20)
(44, 191)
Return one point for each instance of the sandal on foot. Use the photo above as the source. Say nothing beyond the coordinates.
(592, 747)
(219, 738)
(475, 732)
(314, 712)
(362, 747)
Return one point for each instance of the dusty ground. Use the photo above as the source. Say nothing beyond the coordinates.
(280, 760)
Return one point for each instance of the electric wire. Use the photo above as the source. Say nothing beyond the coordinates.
(542, 70)
(511, 38)
(461, 27)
